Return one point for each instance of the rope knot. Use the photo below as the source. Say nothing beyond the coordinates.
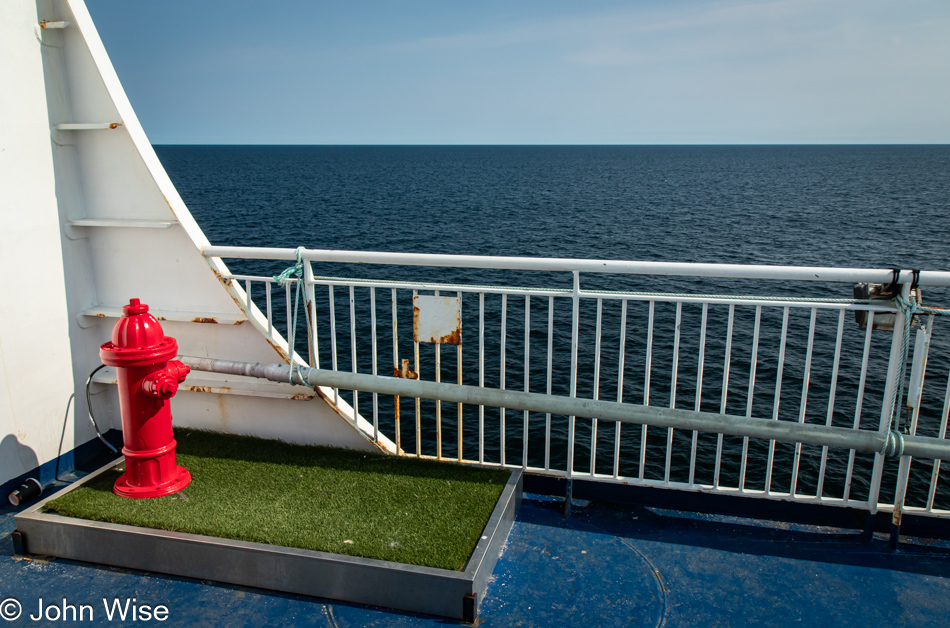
(893, 444)
(296, 270)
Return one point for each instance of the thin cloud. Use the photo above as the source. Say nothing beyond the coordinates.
(613, 23)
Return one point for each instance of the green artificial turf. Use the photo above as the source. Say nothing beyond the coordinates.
(343, 501)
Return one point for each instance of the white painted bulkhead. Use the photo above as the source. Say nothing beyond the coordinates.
(90, 219)
(36, 369)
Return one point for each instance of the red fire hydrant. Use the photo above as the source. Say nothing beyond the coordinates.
(148, 378)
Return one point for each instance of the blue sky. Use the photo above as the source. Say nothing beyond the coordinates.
(552, 72)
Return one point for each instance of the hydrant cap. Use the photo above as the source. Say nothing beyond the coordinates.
(134, 307)
(137, 339)
(137, 329)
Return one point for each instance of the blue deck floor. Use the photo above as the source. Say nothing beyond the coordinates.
(605, 566)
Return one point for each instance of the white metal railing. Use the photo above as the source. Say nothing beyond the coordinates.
(784, 358)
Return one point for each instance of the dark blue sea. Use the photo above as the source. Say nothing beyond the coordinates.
(861, 206)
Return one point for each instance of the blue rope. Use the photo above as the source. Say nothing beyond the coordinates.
(297, 271)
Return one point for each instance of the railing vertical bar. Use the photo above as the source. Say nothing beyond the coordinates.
(415, 355)
(501, 376)
(727, 364)
(646, 388)
(247, 294)
(396, 369)
(438, 402)
(333, 352)
(550, 370)
(356, 393)
(575, 322)
(620, 363)
(806, 379)
(481, 375)
(858, 407)
(673, 378)
(890, 392)
(270, 314)
(914, 393)
(372, 318)
(753, 360)
(699, 390)
(289, 310)
(527, 374)
(311, 303)
(833, 389)
(593, 429)
(942, 433)
(778, 395)
(458, 366)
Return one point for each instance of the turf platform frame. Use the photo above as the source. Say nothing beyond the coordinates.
(369, 581)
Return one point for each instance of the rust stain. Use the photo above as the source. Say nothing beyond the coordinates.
(226, 282)
(115, 125)
(301, 397)
(398, 430)
(223, 411)
(307, 304)
(204, 319)
(237, 301)
(453, 338)
(202, 389)
(100, 314)
(404, 372)
(276, 347)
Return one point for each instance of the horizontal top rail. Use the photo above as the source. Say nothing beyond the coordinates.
(734, 271)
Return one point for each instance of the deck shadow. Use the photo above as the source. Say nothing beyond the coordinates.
(736, 535)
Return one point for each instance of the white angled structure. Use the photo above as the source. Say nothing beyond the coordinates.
(90, 219)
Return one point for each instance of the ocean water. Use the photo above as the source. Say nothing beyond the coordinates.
(861, 206)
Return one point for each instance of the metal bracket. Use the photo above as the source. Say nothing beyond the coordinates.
(19, 543)
(470, 608)
(567, 497)
(894, 538)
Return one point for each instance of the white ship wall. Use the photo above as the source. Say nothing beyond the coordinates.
(90, 219)
(36, 367)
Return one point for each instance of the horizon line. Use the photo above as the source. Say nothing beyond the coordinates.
(559, 145)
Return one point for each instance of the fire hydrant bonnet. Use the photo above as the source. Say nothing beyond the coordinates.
(137, 339)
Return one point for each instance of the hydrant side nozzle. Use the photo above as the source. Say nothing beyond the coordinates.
(163, 384)
(160, 385)
(180, 369)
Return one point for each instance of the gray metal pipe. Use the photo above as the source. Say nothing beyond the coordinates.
(783, 431)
